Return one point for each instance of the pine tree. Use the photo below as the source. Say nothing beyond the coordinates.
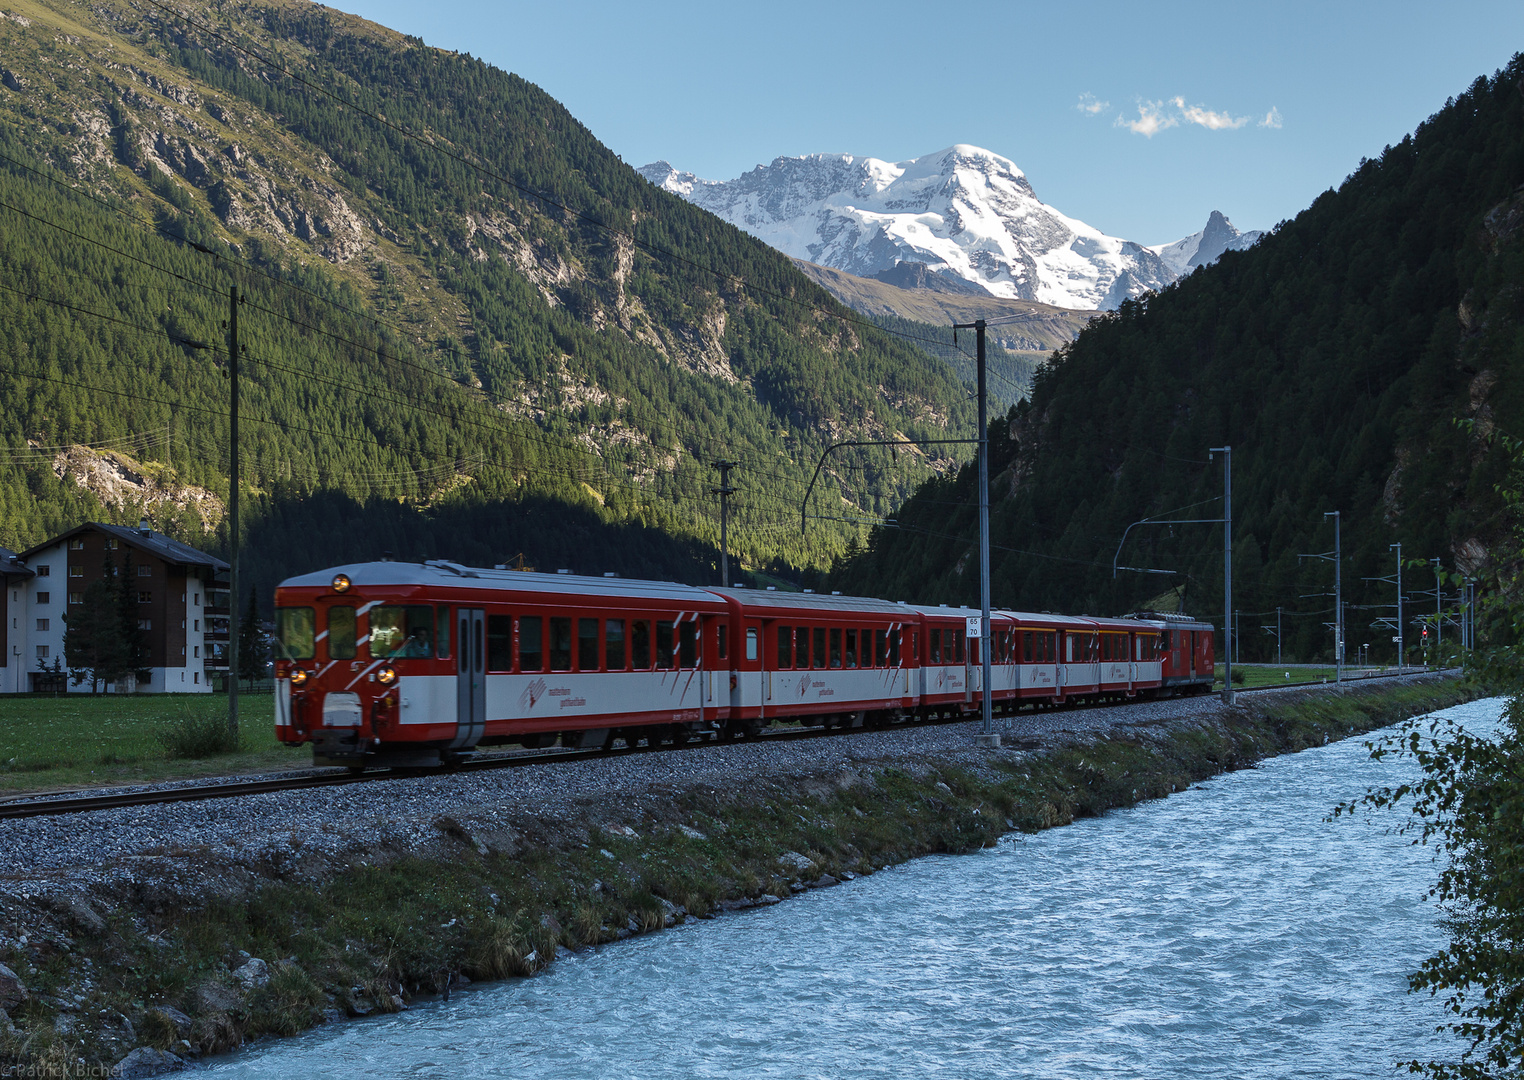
(132, 643)
(253, 650)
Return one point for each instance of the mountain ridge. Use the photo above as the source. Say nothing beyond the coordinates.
(964, 213)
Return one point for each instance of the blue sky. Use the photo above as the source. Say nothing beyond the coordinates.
(1139, 119)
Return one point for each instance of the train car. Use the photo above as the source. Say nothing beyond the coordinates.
(1129, 657)
(415, 664)
(951, 664)
(831, 661)
(1050, 655)
(1187, 651)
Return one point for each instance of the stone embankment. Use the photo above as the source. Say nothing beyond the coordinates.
(148, 936)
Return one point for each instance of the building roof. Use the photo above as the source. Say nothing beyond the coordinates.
(155, 543)
(12, 566)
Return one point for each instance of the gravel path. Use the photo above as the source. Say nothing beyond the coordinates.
(283, 832)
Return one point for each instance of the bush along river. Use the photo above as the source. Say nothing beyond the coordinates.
(1231, 930)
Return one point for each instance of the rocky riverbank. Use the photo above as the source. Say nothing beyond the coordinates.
(149, 936)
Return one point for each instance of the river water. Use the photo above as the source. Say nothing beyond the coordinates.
(1227, 931)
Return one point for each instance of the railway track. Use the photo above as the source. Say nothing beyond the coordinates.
(33, 805)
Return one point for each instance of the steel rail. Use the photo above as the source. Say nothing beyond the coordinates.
(24, 805)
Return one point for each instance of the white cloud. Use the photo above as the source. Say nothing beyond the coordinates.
(1090, 106)
(1212, 121)
(1151, 120)
(1156, 116)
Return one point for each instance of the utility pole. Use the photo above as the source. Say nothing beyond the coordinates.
(724, 491)
(233, 482)
(987, 736)
(1237, 637)
(1277, 633)
(1400, 656)
(1338, 600)
(1227, 569)
(1439, 616)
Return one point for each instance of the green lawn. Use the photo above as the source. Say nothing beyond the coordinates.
(77, 740)
(1269, 674)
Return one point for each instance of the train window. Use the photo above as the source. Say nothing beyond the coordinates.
(818, 650)
(1026, 646)
(397, 631)
(785, 647)
(687, 644)
(851, 650)
(935, 638)
(613, 644)
(865, 657)
(664, 645)
(880, 648)
(587, 644)
(341, 633)
(724, 640)
(499, 642)
(894, 647)
(295, 631)
(957, 646)
(751, 643)
(531, 643)
(835, 647)
(1106, 647)
(640, 644)
(560, 644)
(442, 631)
(802, 646)
(1164, 641)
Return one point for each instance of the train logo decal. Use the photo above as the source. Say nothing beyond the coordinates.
(532, 693)
(804, 686)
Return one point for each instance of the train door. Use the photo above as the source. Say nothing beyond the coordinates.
(968, 670)
(470, 677)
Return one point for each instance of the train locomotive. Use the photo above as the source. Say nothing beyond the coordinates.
(419, 664)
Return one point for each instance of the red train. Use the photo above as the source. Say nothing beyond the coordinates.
(411, 664)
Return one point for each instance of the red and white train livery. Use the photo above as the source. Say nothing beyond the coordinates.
(417, 664)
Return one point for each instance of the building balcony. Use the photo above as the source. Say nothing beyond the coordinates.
(212, 609)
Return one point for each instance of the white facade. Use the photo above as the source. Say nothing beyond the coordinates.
(174, 620)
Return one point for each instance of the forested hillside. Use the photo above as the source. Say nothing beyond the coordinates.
(458, 303)
(1336, 357)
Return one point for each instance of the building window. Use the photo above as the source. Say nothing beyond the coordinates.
(77, 544)
(42, 652)
(76, 571)
(42, 597)
(42, 624)
(44, 571)
(111, 544)
(145, 624)
(197, 653)
(145, 597)
(198, 625)
(144, 570)
(196, 677)
(198, 599)
(76, 598)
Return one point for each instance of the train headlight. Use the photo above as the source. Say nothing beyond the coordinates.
(298, 677)
(387, 675)
(341, 583)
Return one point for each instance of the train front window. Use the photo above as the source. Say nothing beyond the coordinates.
(295, 630)
(401, 632)
(341, 633)
(442, 631)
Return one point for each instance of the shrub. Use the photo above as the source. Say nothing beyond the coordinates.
(193, 735)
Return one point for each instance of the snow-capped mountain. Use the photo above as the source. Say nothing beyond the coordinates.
(963, 215)
(1205, 247)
